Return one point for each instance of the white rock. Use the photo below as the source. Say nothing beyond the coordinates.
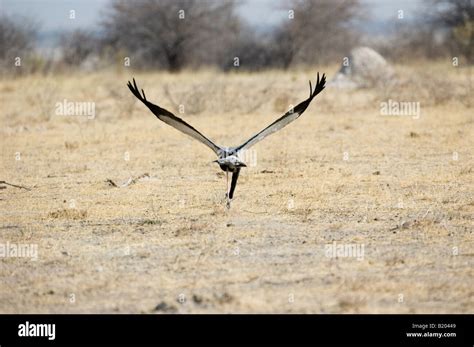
(365, 68)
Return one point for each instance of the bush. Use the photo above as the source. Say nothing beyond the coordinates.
(17, 39)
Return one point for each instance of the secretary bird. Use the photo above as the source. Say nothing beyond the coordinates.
(228, 157)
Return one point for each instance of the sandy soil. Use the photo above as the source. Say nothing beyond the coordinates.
(396, 189)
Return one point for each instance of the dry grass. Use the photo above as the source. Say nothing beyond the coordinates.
(167, 244)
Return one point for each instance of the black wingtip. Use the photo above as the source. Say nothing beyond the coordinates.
(129, 85)
(135, 91)
(320, 84)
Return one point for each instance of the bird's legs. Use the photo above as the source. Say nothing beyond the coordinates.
(227, 189)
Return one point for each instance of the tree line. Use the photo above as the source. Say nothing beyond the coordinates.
(177, 34)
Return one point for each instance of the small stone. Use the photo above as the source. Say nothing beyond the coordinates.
(197, 299)
(164, 307)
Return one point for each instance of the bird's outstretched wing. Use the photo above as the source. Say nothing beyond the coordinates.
(288, 117)
(172, 120)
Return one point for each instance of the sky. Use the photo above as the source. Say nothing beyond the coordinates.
(53, 15)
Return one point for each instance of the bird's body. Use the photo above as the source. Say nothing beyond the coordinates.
(228, 158)
(230, 163)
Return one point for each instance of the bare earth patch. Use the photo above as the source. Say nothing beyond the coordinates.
(341, 178)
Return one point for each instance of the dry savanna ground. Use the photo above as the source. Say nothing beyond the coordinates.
(347, 210)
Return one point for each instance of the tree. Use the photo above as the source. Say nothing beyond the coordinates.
(77, 46)
(17, 39)
(171, 33)
(457, 16)
(317, 31)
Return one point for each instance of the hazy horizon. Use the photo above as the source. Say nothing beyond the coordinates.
(53, 15)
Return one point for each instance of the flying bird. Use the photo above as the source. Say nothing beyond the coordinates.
(228, 157)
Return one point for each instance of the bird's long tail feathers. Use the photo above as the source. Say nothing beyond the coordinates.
(233, 184)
